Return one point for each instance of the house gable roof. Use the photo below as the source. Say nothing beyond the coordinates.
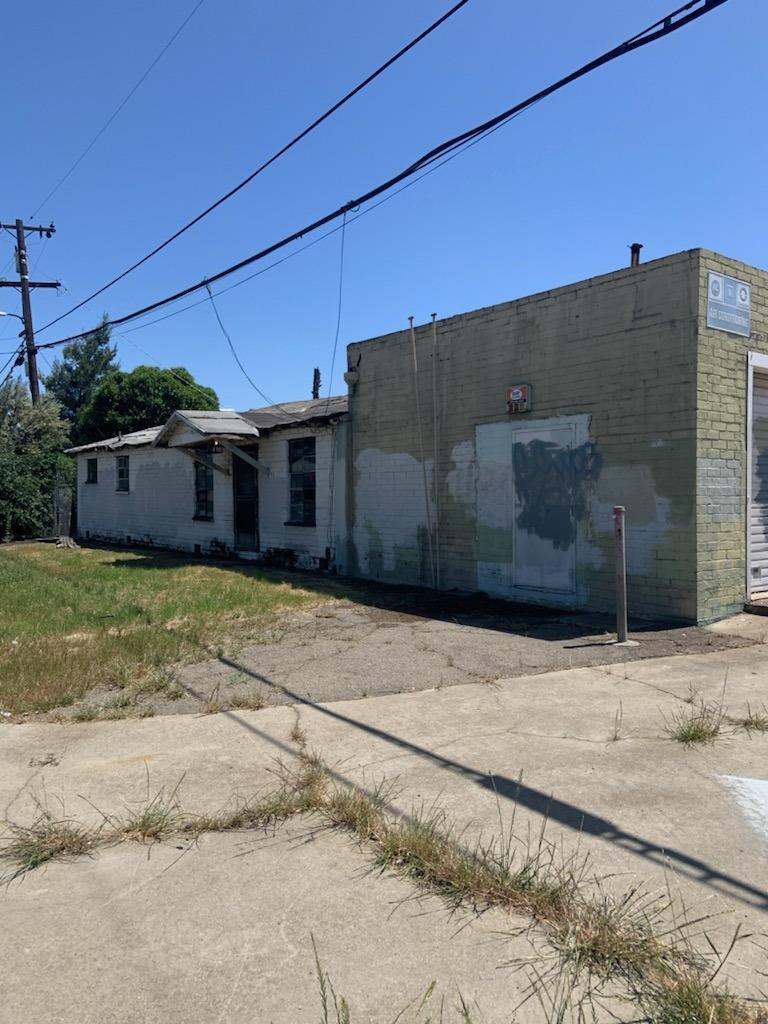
(224, 423)
(295, 414)
(203, 423)
(135, 439)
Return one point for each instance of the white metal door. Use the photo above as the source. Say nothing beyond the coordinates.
(758, 506)
(544, 530)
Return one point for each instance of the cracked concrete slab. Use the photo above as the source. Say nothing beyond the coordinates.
(346, 650)
(581, 753)
(222, 930)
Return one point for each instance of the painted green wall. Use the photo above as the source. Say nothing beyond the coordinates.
(618, 350)
(721, 441)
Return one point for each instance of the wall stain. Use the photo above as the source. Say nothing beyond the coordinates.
(375, 551)
(552, 487)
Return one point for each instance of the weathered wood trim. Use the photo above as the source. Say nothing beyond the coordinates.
(241, 454)
(199, 457)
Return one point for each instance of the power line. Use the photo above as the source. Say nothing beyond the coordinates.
(45, 358)
(308, 245)
(19, 361)
(262, 167)
(117, 110)
(40, 254)
(665, 26)
(237, 359)
(290, 255)
(276, 263)
(13, 355)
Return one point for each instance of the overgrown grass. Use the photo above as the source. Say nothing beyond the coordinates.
(214, 704)
(123, 706)
(47, 838)
(618, 724)
(85, 713)
(689, 997)
(247, 702)
(699, 722)
(297, 734)
(751, 720)
(75, 620)
(335, 1008)
(598, 939)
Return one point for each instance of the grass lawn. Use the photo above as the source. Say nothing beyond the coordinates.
(72, 620)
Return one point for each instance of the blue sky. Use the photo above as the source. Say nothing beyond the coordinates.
(666, 147)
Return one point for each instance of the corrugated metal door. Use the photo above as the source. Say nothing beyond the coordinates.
(758, 511)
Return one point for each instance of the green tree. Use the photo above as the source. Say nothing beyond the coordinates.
(74, 378)
(31, 461)
(145, 397)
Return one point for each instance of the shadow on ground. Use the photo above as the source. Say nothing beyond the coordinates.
(547, 806)
(413, 603)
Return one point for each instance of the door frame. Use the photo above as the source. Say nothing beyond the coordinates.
(506, 428)
(257, 502)
(755, 361)
(535, 428)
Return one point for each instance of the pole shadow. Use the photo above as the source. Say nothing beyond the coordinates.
(546, 805)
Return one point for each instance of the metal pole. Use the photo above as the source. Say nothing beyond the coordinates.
(427, 517)
(26, 309)
(436, 446)
(619, 513)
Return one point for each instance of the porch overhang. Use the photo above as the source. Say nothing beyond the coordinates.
(189, 428)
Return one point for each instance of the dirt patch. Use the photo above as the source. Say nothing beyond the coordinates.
(359, 651)
(350, 640)
(350, 649)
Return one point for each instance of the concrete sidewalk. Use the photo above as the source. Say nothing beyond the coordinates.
(222, 934)
(537, 750)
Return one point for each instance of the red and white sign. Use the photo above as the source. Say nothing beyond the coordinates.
(519, 398)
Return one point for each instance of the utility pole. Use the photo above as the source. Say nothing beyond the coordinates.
(26, 286)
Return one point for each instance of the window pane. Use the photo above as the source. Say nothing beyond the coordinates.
(122, 473)
(301, 464)
(203, 491)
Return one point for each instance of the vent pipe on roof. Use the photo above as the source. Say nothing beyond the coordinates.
(635, 257)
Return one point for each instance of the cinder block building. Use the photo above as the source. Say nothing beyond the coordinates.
(487, 451)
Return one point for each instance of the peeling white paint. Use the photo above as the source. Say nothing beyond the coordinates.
(494, 476)
(389, 510)
(494, 504)
(648, 515)
(752, 798)
(462, 479)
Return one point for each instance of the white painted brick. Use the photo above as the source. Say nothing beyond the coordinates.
(159, 508)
